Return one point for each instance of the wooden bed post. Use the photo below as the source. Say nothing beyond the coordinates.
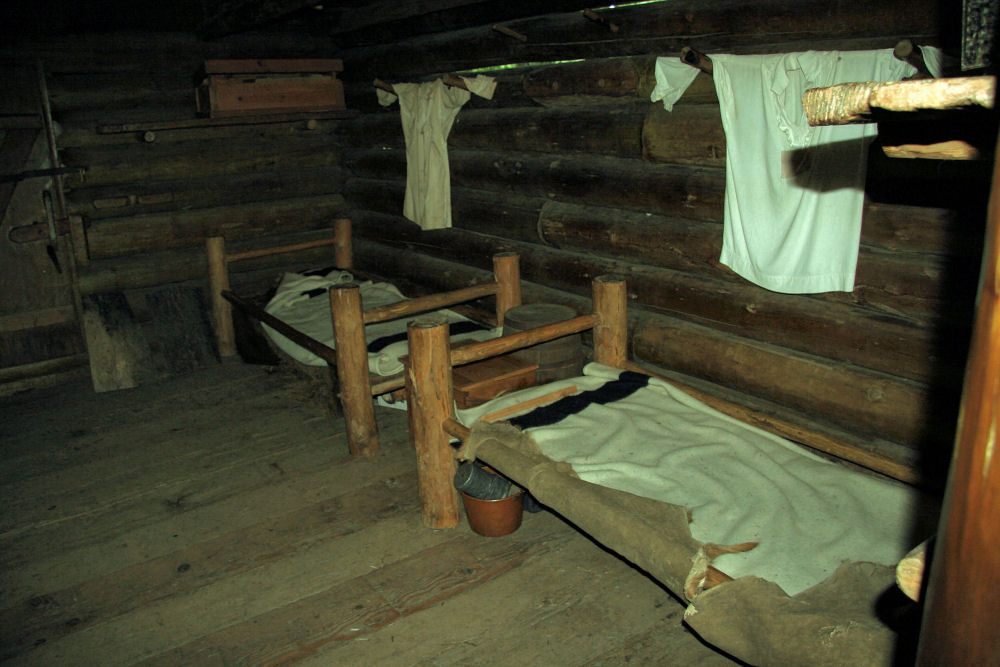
(218, 282)
(429, 404)
(352, 369)
(343, 251)
(611, 325)
(507, 273)
(963, 587)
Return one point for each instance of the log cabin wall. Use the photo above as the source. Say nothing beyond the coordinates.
(154, 185)
(572, 166)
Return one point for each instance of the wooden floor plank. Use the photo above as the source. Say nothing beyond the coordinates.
(215, 518)
(163, 626)
(49, 616)
(367, 604)
(93, 548)
(573, 606)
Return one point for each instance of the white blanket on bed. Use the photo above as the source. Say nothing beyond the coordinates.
(303, 302)
(741, 483)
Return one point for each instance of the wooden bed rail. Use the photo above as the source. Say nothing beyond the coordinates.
(218, 274)
(431, 404)
(506, 286)
(356, 388)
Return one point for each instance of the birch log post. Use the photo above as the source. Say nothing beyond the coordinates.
(218, 282)
(429, 387)
(352, 369)
(507, 273)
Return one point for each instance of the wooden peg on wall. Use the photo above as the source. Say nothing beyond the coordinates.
(696, 59)
(382, 85)
(597, 18)
(906, 51)
(455, 81)
(509, 32)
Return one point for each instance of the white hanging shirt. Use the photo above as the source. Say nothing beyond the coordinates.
(428, 111)
(794, 193)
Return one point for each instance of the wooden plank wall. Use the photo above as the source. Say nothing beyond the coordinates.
(574, 168)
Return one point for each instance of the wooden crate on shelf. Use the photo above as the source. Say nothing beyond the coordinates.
(248, 87)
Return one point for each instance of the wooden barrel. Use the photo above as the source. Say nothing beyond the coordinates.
(557, 359)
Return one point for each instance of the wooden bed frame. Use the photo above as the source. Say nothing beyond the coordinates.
(429, 386)
(356, 385)
(433, 424)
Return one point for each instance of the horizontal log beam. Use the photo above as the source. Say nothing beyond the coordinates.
(153, 161)
(610, 131)
(189, 263)
(834, 331)
(689, 133)
(652, 29)
(847, 396)
(143, 197)
(115, 237)
(669, 189)
(892, 282)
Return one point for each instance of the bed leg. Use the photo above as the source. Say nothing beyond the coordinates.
(507, 273)
(218, 282)
(352, 369)
(429, 404)
(611, 327)
(343, 250)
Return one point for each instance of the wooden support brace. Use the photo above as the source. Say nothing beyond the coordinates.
(466, 354)
(327, 354)
(507, 273)
(343, 246)
(352, 369)
(278, 250)
(611, 321)
(423, 304)
(696, 59)
(218, 282)
(78, 238)
(455, 81)
(431, 401)
(550, 397)
(597, 18)
(504, 30)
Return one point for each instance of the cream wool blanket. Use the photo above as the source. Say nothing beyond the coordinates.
(742, 484)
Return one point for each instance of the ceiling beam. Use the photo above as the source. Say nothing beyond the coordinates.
(233, 16)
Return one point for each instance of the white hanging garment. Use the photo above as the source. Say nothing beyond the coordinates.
(428, 111)
(673, 76)
(794, 193)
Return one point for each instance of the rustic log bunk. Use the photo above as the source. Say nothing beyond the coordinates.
(832, 621)
(356, 385)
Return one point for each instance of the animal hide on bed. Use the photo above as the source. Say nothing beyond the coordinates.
(667, 480)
